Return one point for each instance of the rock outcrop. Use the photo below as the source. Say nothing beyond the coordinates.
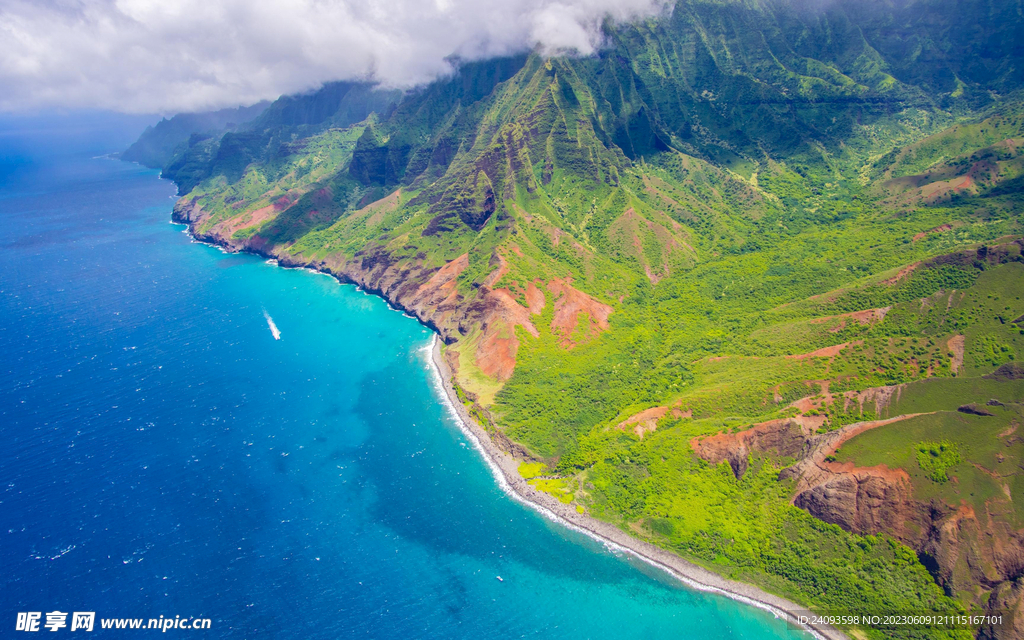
(863, 500)
(1007, 598)
(784, 438)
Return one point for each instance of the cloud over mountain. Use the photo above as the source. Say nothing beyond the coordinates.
(179, 55)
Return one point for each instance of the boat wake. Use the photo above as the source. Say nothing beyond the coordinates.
(273, 327)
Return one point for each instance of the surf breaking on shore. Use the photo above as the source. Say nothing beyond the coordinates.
(504, 468)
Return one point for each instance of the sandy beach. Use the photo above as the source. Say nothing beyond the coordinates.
(505, 469)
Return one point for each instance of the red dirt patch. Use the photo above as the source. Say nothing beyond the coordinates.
(938, 229)
(570, 304)
(496, 352)
(443, 280)
(647, 420)
(557, 235)
(630, 228)
(496, 355)
(824, 352)
(253, 218)
(881, 397)
(644, 422)
(878, 471)
(499, 315)
(935, 192)
(379, 208)
(535, 299)
(1009, 431)
(813, 470)
(902, 273)
(956, 347)
(940, 184)
(808, 404)
(839, 327)
(502, 269)
(257, 216)
(439, 294)
(866, 317)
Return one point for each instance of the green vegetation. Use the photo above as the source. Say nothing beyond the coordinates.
(937, 458)
(797, 226)
(555, 486)
(530, 470)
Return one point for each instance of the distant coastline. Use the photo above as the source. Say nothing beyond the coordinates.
(506, 473)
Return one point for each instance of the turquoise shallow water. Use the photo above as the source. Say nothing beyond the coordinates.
(164, 455)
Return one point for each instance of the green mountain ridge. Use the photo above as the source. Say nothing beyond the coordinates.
(157, 145)
(689, 276)
(190, 148)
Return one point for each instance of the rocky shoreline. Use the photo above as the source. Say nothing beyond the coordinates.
(506, 468)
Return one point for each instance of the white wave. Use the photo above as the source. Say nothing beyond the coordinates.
(273, 327)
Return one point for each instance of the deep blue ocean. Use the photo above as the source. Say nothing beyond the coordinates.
(163, 454)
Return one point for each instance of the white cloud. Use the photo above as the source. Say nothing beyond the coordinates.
(180, 55)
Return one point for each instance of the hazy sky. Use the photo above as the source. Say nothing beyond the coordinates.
(180, 55)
